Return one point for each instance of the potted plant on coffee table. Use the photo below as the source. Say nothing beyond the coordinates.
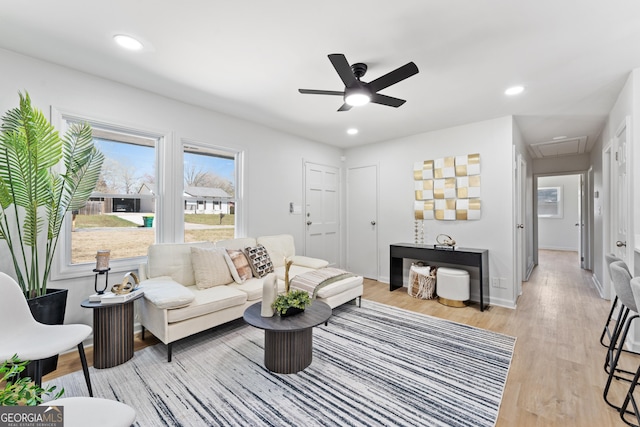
(42, 177)
(292, 301)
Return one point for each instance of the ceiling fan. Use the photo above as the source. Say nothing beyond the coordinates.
(357, 92)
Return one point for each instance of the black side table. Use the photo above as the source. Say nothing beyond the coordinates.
(288, 341)
(112, 332)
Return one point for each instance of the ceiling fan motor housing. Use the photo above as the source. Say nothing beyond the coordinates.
(359, 69)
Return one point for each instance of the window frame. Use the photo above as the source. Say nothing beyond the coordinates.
(239, 159)
(559, 202)
(62, 268)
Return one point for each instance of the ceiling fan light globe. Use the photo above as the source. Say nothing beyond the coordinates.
(357, 99)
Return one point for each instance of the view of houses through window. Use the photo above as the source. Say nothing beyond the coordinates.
(209, 193)
(119, 215)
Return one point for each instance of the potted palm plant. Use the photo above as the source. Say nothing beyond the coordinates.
(42, 177)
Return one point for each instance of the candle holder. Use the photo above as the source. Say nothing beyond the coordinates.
(102, 259)
(106, 280)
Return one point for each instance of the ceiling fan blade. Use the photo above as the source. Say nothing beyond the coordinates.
(343, 68)
(394, 77)
(387, 100)
(345, 107)
(321, 92)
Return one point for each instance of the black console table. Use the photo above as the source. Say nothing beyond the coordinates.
(478, 258)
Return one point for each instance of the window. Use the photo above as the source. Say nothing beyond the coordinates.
(209, 193)
(119, 214)
(550, 202)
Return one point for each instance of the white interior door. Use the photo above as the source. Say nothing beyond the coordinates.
(322, 212)
(580, 223)
(620, 194)
(362, 221)
(521, 190)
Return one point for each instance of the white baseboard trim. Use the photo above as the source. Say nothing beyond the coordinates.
(598, 285)
(529, 271)
(632, 345)
(501, 302)
(558, 248)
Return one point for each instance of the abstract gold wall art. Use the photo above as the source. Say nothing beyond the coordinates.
(448, 188)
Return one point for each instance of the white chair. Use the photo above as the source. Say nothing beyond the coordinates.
(85, 411)
(21, 334)
(607, 331)
(621, 279)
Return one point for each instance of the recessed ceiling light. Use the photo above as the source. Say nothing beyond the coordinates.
(514, 90)
(556, 138)
(127, 42)
(352, 131)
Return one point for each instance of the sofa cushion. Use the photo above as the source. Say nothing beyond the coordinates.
(164, 292)
(253, 288)
(174, 260)
(305, 261)
(294, 270)
(259, 260)
(210, 267)
(238, 265)
(237, 243)
(207, 301)
(279, 246)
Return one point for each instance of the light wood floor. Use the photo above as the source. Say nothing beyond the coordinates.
(556, 376)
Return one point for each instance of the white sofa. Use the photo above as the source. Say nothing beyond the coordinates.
(174, 307)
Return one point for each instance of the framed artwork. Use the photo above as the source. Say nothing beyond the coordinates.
(448, 188)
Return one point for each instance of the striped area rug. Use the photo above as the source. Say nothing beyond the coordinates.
(372, 366)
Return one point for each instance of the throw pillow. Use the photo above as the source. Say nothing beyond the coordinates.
(209, 267)
(259, 260)
(238, 265)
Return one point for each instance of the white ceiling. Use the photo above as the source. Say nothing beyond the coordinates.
(248, 58)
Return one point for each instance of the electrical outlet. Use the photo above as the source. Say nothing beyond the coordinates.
(495, 282)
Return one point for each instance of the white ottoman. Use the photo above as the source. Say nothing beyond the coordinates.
(452, 287)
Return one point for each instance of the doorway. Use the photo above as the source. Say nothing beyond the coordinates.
(562, 219)
(322, 212)
(362, 221)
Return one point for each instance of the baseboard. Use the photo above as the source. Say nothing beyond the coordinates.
(598, 285)
(530, 268)
(384, 279)
(558, 248)
(501, 302)
(632, 345)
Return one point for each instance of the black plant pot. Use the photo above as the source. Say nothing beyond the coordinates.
(291, 311)
(48, 309)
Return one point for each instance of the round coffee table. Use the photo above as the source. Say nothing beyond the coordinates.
(288, 341)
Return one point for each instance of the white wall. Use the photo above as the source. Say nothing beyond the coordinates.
(494, 231)
(273, 160)
(561, 233)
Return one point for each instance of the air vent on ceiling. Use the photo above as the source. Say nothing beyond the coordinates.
(563, 147)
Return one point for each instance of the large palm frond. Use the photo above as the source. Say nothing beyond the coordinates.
(30, 150)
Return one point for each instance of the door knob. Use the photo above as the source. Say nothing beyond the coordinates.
(621, 244)
(520, 226)
(373, 223)
(309, 222)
